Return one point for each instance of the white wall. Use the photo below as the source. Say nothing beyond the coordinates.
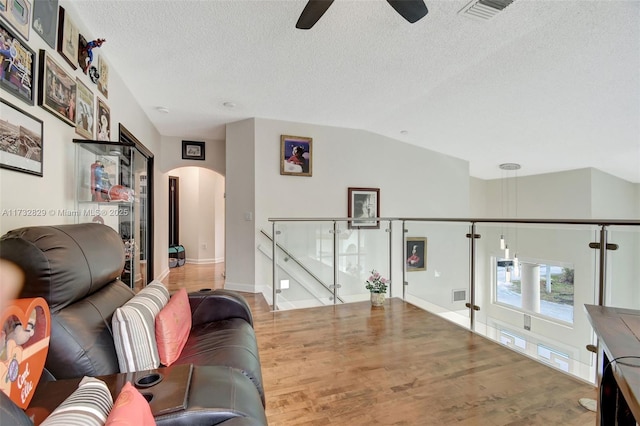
(240, 206)
(612, 197)
(412, 181)
(171, 155)
(478, 200)
(56, 190)
(563, 195)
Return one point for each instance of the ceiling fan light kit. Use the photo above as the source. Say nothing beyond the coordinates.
(411, 10)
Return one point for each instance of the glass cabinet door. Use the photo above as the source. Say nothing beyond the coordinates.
(112, 189)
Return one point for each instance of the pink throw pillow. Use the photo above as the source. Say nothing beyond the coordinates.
(173, 325)
(130, 408)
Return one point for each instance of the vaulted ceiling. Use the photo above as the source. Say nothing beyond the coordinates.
(553, 85)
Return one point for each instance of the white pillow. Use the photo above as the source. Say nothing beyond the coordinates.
(134, 333)
(89, 405)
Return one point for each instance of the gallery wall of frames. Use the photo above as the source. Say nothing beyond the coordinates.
(48, 62)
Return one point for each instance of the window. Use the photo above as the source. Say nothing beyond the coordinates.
(512, 340)
(555, 283)
(557, 359)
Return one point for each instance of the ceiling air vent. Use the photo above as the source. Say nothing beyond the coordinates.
(484, 9)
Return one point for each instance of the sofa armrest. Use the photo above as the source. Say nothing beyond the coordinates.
(215, 305)
(11, 414)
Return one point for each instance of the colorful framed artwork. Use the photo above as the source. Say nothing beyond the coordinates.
(85, 112)
(18, 14)
(103, 72)
(363, 205)
(45, 20)
(296, 155)
(57, 90)
(103, 121)
(18, 66)
(416, 251)
(68, 38)
(192, 150)
(21, 140)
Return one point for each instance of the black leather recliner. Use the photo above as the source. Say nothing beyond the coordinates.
(76, 269)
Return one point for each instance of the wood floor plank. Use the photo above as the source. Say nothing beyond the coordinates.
(397, 365)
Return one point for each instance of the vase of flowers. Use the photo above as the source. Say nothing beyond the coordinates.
(377, 286)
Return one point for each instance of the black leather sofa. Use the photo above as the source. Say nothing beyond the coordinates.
(76, 269)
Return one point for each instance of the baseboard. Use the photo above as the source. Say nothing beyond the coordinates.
(163, 275)
(265, 289)
(247, 288)
(205, 261)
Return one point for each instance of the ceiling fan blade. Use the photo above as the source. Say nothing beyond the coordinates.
(411, 10)
(312, 12)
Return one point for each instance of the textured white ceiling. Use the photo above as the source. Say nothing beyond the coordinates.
(552, 85)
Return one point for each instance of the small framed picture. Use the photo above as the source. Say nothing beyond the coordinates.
(192, 150)
(103, 121)
(45, 20)
(18, 65)
(416, 249)
(85, 112)
(57, 92)
(18, 15)
(296, 155)
(364, 204)
(103, 72)
(21, 140)
(68, 40)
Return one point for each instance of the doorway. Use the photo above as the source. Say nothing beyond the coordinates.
(174, 211)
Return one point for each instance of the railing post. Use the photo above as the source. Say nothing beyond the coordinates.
(275, 263)
(390, 231)
(335, 262)
(404, 262)
(472, 265)
(602, 278)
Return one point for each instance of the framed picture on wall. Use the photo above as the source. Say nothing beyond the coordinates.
(21, 140)
(57, 90)
(18, 14)
(103, 121)
(416, 249)
(68, 38)
(103, 80)
(192, 150)
(18, 66)
(45, 20)
(85, 112)
(364, 204)
(296, 155)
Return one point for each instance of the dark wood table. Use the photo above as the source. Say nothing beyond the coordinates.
(618, 333)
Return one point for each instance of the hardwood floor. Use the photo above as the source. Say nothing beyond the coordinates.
(396, 365)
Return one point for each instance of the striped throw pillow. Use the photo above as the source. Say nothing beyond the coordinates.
(134, 333)
(89, 405)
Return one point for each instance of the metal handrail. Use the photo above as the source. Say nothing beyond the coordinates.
(599, 222)
(602, 223)
(290, 256)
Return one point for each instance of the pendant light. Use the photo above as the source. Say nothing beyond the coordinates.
(506, 202)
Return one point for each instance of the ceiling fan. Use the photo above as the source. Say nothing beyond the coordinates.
(411, 10)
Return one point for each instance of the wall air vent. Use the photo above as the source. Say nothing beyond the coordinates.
(484, 9)
(459, 295)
